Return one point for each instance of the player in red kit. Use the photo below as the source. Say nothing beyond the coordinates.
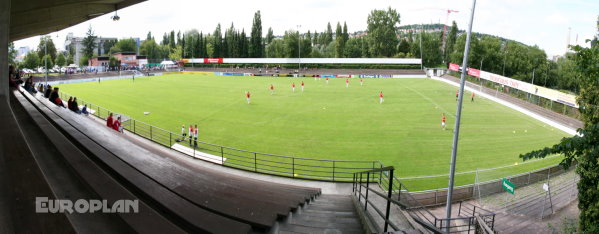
(472, 97)
(293, 87)
(457, 94)
(327, 79)
(272, 89)
(443, 121)
(347, 83)
(381, 99)
(247, 96)
(302, 86)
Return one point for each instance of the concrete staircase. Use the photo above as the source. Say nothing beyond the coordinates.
(327, 214)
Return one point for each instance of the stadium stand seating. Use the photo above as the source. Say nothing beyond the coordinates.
(174, 197)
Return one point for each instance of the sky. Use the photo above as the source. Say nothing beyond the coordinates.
(545, 23)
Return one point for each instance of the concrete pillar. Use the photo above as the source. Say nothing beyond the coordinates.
(4, 39)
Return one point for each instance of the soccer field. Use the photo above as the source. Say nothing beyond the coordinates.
(330, 121)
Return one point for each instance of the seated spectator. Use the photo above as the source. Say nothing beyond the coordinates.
(117, 125)
(109, 121)
(54, 97)
(12, 77)
(84, 110)
(48, 92)
(29, 86)
(70, 103)
(75, 106)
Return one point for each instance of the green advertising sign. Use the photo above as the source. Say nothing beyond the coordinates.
(508, 186)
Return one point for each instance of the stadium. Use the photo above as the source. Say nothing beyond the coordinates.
(278, 145)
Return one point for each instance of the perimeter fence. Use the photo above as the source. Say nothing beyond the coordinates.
(287, 166)
(295, 167)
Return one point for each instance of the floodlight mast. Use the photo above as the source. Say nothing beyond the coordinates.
(456, 132)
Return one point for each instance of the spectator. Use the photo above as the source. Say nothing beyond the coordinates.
(29, 86)
(109, 121)
(70, 103)
(183, 133)
(195, 137)
(48, 92)
(117, 125)
(54, 97)
(84, 110)
(12, 77)
(75, 106)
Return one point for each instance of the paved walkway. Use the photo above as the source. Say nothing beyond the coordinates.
(535, 111)
(326, 187)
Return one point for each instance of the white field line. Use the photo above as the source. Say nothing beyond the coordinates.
(515, 107)
(474, 171)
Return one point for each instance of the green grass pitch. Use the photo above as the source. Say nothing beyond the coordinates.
(330, 121)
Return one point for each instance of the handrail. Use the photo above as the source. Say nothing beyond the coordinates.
(482, 227)
(272, 164)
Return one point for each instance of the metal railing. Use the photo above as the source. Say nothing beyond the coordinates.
(294, 167)
(394, 192)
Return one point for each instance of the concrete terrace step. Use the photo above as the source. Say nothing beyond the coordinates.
(326, 214)
(198, 154)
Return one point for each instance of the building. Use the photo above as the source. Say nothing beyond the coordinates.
(77, 43)
(21, 52)
(127, 60)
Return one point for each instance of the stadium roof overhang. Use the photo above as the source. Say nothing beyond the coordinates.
(36, 17)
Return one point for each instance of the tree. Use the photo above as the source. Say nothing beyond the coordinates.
(256, 49)
(353, 48)
(149, 36)
(41, 52)
(61, 60)
(290, 39)
(113, 62)
(217, 43)
(12, 53)
(328, 35)
(340, 41)
(124, 45)
(382, 32)
(583, 148)
(31, 60)
(83, 60)
(89, 44)
(345, 33)
(451, 38)
(176, 53)
(404, 46)
(276, 48)
(150, 49)
(107, 45)
(269, 36)
(47, 58)
(171, 42)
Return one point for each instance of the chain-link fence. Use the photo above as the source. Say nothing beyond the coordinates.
(536, 194)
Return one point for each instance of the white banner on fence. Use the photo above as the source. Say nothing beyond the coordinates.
(551, 94)
(307, 60)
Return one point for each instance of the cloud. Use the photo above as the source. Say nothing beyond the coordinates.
(521, 20)
(556, 18)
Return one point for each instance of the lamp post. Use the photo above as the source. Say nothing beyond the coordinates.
(421, 55)
(46, 58)
(456, 133)
(479, 79)
(299, 51)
